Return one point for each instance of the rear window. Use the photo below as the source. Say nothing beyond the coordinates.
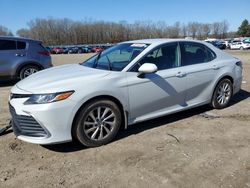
(21, 45)
(43, 47)
(7, 45)
(194, 53)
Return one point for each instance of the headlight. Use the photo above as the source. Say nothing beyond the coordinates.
(48, 98)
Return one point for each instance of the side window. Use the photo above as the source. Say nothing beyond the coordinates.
(7, 45)
(194, 53)
(21, 45)
(165, 57)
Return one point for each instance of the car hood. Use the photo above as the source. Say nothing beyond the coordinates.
(60, 78)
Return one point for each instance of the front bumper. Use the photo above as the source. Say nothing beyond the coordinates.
(43, 123)
(26, 125)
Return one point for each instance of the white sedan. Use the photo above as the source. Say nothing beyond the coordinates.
(128, 83)
(239, 45)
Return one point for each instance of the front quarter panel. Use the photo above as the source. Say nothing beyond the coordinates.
(114, 85)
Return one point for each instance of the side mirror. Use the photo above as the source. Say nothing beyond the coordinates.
(147, 68)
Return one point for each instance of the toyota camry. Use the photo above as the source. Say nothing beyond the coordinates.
(128, 83)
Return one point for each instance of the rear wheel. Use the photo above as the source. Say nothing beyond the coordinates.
(28, 70)
(97, 123)
(222, 94)
(241, 48)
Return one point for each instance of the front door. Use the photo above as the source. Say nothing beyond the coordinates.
(158, 93)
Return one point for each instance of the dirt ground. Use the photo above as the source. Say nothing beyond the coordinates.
(201, 147)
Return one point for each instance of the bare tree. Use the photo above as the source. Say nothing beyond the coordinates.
(4, 31)
(224, 28)
(206, 30)
(193, 28)
(216, 30)
(23, 33)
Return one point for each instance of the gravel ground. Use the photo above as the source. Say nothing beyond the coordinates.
(201, 147)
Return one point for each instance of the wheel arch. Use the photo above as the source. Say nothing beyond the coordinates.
(226, 76)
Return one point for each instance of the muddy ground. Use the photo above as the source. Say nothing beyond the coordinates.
(201, 147)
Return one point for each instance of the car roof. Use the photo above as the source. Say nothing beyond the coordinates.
(18, 38)
(161, 41)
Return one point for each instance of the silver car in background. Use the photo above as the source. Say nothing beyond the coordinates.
(20, 57)
(128, 83)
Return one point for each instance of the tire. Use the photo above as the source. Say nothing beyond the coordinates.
(93, 130)
(222, 94)
(27, 71)
(241, 48)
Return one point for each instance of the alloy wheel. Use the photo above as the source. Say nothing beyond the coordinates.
(99, 123)
(29, 71)
(224, 93)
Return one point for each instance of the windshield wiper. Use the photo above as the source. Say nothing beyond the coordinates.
(98, 57)
(110, 64)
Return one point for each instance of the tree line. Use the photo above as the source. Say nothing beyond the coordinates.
(4, 31)
(66, 32)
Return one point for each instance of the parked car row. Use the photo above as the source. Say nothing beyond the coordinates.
(76, 49)
(233, 44)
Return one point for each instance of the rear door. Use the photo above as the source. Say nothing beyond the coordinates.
(201, 69)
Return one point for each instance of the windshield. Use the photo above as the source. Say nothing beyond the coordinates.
(116, 57)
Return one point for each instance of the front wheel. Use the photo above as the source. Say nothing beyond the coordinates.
(97, 123)
(222, 94)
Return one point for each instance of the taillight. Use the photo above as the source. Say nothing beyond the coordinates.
(239, 63)
(45, 53)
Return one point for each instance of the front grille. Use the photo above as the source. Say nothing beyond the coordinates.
(26, 125)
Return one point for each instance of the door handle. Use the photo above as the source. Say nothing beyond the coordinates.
(215, 67)
(180, 74)
(20, 55)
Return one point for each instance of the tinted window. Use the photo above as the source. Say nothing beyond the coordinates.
(194, 53)
(7, 45)
(165, 57)
(46, 48)
(21, 45)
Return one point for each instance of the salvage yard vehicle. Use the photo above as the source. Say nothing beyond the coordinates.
(128, 83)
(20, 57)
(96, 49)
(57, 50)
(84, 49)
(240, 45)
(219, 44)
